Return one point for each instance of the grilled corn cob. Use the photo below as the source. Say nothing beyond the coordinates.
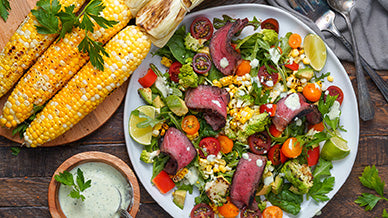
(24, 47)
(89, 87)
(57, 65)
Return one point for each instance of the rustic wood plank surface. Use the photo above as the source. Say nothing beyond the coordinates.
(24, 179)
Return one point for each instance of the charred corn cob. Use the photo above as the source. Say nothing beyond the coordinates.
(24, 47)
(89, 87)
(57, 65)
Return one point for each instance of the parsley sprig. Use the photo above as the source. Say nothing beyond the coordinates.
(4, 9)
(370, 178)
(21, 128)
(322, 187)
(79, 186)
(49, 16)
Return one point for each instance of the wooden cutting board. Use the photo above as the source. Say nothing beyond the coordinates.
(19, 10)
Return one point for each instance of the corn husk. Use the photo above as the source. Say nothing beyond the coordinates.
(135, 5)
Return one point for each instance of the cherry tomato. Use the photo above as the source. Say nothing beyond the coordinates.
(234, 47)
(259, 143)
(276, 156)
(291, 148)
(248, 213)
(163, 182)
(201, 28)
(273, 131)
(269, 108)
(268, 79)
(313, 156)
(201, 63)
(210, 145)
(272, 212)
(294, 66)
(335, 90)
(174, 71)
(149, 79)
(312, 92)
(190, 124)
(317, 127)
(270, 23)
(202, 210)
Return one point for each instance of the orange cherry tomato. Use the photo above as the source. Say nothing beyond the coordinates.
(243, 68)
(318, 127)
(291, 148)
(163, 182)
(312, 92)
(190, 124)
(226, 144)
(272, 212)
(295, 40)
(228, 210)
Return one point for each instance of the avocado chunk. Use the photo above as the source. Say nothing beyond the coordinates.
(146, 94)
(157, 102)
(277, 185)
(176, 105)
(305, 73)
(179, 198)
(264, 190)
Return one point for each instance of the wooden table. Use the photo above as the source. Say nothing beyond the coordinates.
(24, 178)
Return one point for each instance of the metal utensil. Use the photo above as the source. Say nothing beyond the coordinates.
(365, 105)
(319, 12)
(121, 211)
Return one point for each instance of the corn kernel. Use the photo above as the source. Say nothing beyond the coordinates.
(301, 51)
(193, 136)
(294, 53)
(292, 90)
(330, 78)
(299, 88)
(217, 83)
(319, 83)
(306, 61)
(226, 81)
(222, 169)
(208, 168)
(166, 61)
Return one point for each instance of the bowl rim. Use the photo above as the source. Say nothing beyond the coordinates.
(92, 156)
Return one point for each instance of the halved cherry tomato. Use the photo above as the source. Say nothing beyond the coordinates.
(201, 63)
(291, 148)
(269, 108)
(228, 210)
(259, 143)
(295, 40)
(335, 90)
(190, 124)
(279, 49)
(270, 23)
(163, 182)
(276, 156)
(272, 212)
(266, 78)
(149, 79)
(313, 156)
(226, 144)
(174, 71)
(312, 92)
(234, 47)
(318, 127)
(209, 145)
(294, 66)
(243, 68)
(202, 210)
(248, 213)
(201, 28)
(273, 131)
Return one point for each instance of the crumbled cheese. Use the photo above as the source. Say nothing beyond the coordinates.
(192, 175)
(269, 83)
(334, 111)
(298, 121)
(292, 102)
(217, 103)
(268, 180)
(254, 63)
(224, 62)
(245, 156)
(211, 157)
(259, 162)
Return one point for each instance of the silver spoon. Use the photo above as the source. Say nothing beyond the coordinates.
(365, 104)
(121, 211)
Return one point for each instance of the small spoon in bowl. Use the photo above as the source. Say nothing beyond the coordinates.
(121, 211)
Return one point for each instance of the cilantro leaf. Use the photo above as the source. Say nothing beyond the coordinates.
(367, 200)
(385, 214)
(76, 194)
(68, 20)
(65, 178)
(370, 178)
(94, 49)
(81, 181)
(15, 150)
(46, 15)
(4, 8)
(322, 169)
(320, 189)
(286, 200)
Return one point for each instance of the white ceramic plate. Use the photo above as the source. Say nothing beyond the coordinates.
(287, 23)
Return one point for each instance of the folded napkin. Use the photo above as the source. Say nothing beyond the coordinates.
(370, 25)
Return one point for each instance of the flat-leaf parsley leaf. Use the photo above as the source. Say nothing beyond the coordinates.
(79, 186)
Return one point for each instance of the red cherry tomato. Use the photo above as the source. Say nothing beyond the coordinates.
(163, 182)
(209, 145)
(335, 90)
(259, 143)
(268, 79)
(248, 213)
(294, 66)
(313, 156)
(270, 23)
(202, 210)
(201, 28)
(274, 132)
(149, 79)
(201, 63)
(269, 108)
(174, 71)
(276, 156)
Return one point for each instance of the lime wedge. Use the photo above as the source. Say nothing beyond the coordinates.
(315, 50)
(335, 148)
(141, 135)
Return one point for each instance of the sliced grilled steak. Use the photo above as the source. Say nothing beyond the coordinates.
(245, 180)
(314, 117)
(289, 107)
(179, 148)
(221, 49)
(212, 101)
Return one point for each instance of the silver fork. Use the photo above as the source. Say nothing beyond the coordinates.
(319, 12)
